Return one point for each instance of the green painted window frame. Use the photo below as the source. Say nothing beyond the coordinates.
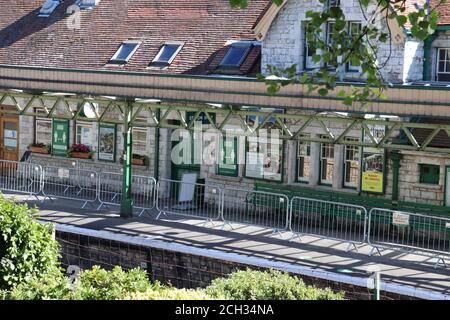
(282, 149)
(429, 173)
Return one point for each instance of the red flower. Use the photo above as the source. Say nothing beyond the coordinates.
(78, 147)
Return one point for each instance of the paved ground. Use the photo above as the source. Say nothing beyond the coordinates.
(402, 269)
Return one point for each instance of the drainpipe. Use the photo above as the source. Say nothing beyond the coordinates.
(395, 157)
(427, 51)
(427, 55)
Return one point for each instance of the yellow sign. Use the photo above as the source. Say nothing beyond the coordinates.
(372, 181)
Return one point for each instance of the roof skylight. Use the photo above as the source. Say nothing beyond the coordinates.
(166, 54)
(236, 55)
(126, 50)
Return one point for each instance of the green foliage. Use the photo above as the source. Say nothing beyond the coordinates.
(272, 285)
(166, 293)
(100, 284)
(27, 247)
(47, 288)
(359, 47)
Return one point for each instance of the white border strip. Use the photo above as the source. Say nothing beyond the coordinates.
(259, 262)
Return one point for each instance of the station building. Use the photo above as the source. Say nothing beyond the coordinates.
(204, 39)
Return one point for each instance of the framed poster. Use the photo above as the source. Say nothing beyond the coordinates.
(60, 138)
(107, 142)
(373, 168)
(228, 158)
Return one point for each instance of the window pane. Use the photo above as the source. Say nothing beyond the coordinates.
(264, 160)
(444, 77)
(124, 51)
(234, 56)
(167, 52)
(84, 134)
(352, 158)
(327, 163)
(140, 141)
(442, 54)
(429, 174)
(43, 132)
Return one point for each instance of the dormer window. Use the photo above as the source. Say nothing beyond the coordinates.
(236, 55)
(125, 52)
(166, 54)
(443, 64)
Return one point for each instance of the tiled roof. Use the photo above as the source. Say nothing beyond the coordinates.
(441, 140)
(444, 10)
(203, 25)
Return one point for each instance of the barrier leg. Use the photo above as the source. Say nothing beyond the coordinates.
(47, 197)
(161, 213)
(226, 223)
(277, 231)
(350, 246)
(101, 206)
(142, 212)
(373, 250)
(439, 259)
(208, 221)
(296, 235)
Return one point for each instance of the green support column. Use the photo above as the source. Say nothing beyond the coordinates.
(395, 157)
(126, 207)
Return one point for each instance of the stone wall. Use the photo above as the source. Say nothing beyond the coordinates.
(182, 270)
(283, 45)
(410, 189)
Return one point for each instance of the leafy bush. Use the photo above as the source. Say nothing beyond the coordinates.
(100, 284)
(167, 293)
(48, 288)
(27, 247)
(271, 285)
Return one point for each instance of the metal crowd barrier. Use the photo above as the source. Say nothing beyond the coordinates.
(71, 184)
(380, 228)
(188, 199)
(329, 220)
(409, 232)
(22, 177)
(142, 193)
(255, 208)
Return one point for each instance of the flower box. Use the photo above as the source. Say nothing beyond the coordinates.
(80, 155)
(138, 162)
(42, 150)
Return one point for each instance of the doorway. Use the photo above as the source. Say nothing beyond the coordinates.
(9, 138)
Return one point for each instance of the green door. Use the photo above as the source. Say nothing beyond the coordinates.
(191, 165)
